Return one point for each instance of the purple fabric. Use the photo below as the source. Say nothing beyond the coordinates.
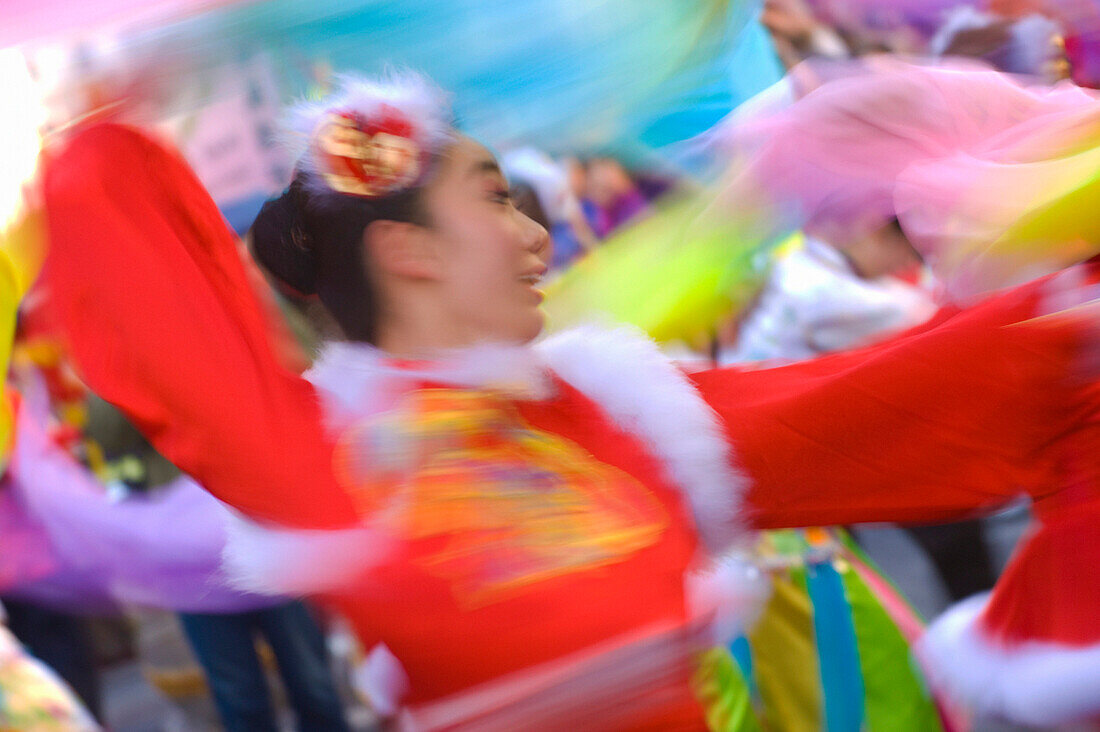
(1080, 19)
(1083, 49)
(626, 208)
(25, 552)
(622, 210)
(923, 15)
(65, 543)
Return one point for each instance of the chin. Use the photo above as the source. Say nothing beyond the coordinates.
(519, 329)
(531, 329)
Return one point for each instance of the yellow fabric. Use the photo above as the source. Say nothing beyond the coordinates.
(22, 250)
(676, 273)
(787, 674)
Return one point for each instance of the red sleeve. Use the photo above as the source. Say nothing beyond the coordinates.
(937, 424)
(155, 303)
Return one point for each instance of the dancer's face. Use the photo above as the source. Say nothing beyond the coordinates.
(882, 252)
(490, 256)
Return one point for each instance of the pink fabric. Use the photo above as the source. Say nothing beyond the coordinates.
(957, 152)
(28, 20)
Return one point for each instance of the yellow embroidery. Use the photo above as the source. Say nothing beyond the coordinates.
(501, 504)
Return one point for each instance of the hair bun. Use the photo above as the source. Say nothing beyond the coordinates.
(282, 244)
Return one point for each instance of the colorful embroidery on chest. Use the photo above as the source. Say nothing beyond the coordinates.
(492, 504)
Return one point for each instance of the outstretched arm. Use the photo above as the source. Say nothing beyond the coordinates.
(158, 311)
(947, 421)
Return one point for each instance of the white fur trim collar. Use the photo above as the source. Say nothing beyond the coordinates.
(620, 369)
(1036, 684)
(271, 560)
(624, 372)
(350, 371)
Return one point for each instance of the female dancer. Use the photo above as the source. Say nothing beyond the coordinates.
(525, 528)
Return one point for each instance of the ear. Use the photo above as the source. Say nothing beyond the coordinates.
(402, 249)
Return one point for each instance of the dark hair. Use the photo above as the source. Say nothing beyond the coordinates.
(526, 200)
(313, 244)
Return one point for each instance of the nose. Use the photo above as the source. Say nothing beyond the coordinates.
(536, 239)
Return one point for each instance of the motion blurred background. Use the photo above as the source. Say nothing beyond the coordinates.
(594, 106)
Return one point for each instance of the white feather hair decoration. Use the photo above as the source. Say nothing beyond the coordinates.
(371, 138)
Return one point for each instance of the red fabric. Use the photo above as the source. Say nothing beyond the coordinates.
(955, 418)
(139, 252)
(552, 617)
(1050, 591)
(147, 284)
(934, 425)
(149, 288)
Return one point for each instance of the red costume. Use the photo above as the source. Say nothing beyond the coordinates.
(527, 529)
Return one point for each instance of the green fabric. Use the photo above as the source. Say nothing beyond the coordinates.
(895, 697)
(724, 694)
(850, 545)
(676, 274)
(786, 672)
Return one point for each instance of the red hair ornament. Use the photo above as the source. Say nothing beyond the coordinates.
(368, 158)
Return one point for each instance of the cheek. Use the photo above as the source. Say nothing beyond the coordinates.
(498, 254)
(905, 253)
(485, 258)
(483, 271)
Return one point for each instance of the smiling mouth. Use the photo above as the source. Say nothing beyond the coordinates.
(531, 279)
